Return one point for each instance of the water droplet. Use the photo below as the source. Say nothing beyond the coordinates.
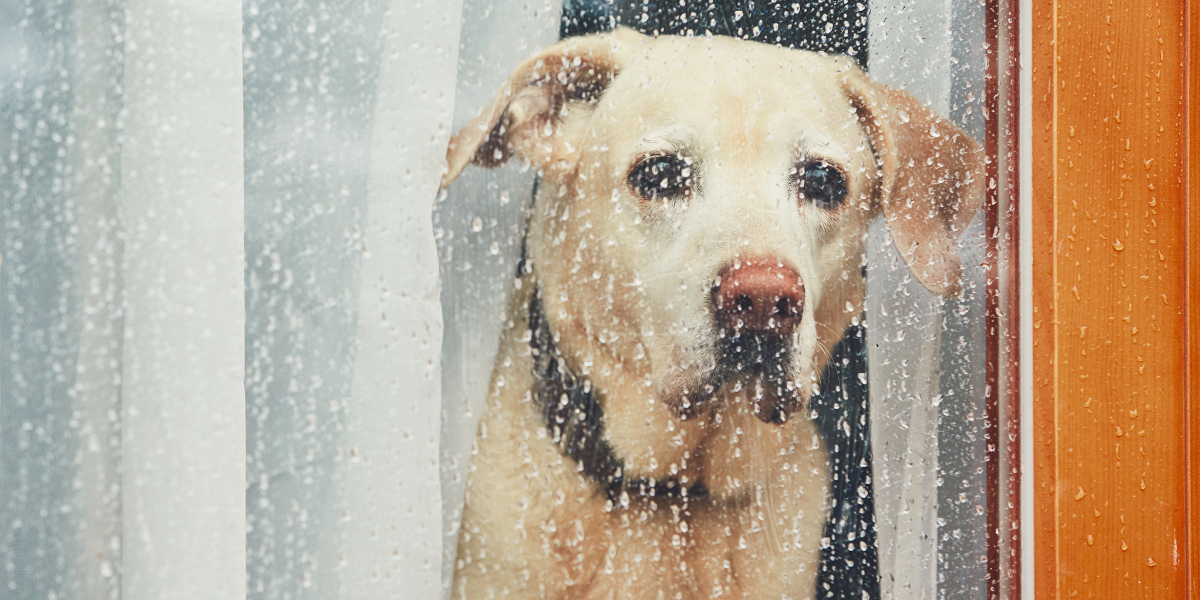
(1117, 245)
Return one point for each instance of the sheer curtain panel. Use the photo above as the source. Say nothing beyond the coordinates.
(219, 314)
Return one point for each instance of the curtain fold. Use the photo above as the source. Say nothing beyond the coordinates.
(183, 450)
(45, 176)
(311, 86)
(391, 543)
(97, 75)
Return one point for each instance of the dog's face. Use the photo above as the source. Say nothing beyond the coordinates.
(699, 233)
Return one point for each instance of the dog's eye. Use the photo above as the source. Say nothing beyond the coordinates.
(662, 177)
(822, 184)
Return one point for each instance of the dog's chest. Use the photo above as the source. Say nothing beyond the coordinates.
(547, 517)
(764, 542)
(563, 537)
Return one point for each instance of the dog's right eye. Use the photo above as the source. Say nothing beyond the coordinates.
(662, 177)
(822, 184)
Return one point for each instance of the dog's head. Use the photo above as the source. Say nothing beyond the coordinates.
(699, 233)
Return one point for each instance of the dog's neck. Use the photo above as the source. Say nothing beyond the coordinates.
(575, 420)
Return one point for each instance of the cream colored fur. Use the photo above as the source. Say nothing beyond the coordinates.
(626, 288)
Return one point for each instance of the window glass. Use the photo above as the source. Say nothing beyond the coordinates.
(903, 401)
(497, 298)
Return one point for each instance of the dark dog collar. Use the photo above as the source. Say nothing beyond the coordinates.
(575, 420)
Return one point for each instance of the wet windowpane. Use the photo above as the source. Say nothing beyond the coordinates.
(563, 298)
(628, 183)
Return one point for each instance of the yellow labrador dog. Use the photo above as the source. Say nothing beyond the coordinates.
(695, 249)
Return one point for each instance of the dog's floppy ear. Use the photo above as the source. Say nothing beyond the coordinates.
(932, 178)
(525, 117)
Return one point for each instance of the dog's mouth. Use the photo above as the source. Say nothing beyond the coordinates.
(756, 364)
(764, 359)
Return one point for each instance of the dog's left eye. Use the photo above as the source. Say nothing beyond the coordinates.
(822, 184)
(662, 177)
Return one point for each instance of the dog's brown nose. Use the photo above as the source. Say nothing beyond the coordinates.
(761, 295)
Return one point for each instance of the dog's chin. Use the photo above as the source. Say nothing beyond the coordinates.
(756, 369)
(772, 401)
(745, 389)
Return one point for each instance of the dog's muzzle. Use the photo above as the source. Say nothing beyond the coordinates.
(758, 304)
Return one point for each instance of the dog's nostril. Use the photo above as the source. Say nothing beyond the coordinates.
(783, 308)
(744, 304)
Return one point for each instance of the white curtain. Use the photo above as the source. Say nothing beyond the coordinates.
(182, 419)
(219, 306)
(391, 542)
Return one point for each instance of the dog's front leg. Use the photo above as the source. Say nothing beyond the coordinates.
(525, 503)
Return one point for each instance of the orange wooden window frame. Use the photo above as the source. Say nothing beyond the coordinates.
(1192, 178)
(1116, 297)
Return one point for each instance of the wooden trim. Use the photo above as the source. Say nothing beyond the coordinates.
(1108, 294)
(1009, 109)
(1002, 301)
(991, 315)
(1192, 284)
